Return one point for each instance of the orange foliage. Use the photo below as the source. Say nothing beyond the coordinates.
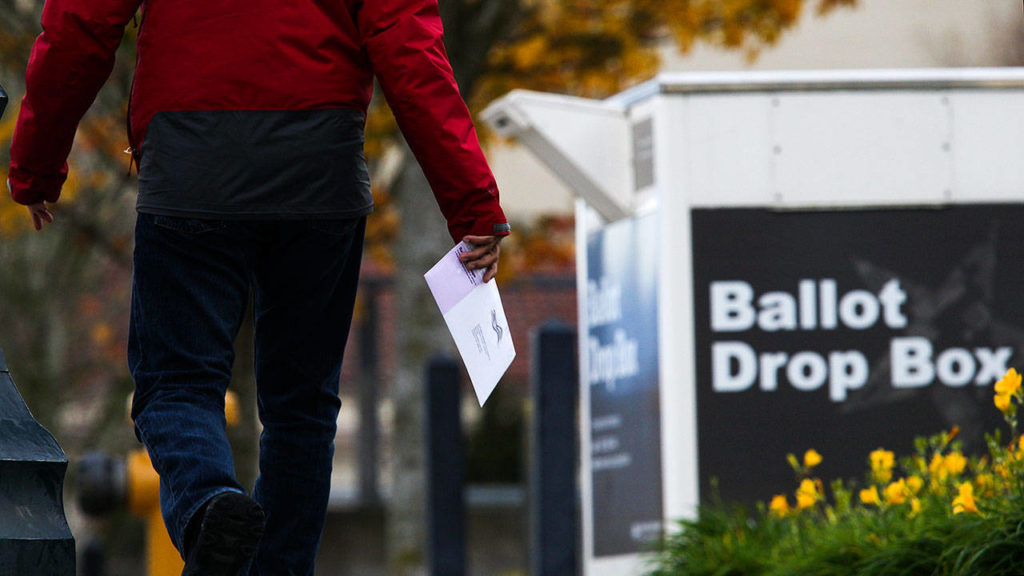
(548, 245)
(381, 229)
(594, 48)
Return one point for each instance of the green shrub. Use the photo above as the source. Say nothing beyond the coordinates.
(933, 513)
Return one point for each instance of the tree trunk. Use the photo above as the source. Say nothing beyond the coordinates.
(422, 240)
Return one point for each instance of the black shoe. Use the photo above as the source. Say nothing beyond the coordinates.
(228, 534)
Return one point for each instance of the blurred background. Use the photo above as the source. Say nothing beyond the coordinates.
(64, 295)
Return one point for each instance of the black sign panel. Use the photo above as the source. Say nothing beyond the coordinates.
(846, 331)
(622, 374)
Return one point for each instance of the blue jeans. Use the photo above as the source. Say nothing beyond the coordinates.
(190, 289)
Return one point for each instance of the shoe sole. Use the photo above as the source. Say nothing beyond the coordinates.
(228, 538)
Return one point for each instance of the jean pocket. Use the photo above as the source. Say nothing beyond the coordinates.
(188, 225)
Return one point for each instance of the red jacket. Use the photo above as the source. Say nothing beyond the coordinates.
(256, 55)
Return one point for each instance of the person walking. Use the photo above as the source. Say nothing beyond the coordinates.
(246, 122)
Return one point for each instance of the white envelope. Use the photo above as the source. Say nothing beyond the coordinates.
(476, 319)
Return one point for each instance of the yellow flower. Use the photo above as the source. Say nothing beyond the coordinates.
(1020, 443)
(807, 494)
(882, 459)
(870, 496)
(964, 502)
(955, 463)
(985, 482)
(937, 468)
(1009, 384)
(1002, 402)
(811, 458)
(882, 462)
(779, 505)
(1002, 470)
(914, 483)
(896, 492)
(915, 507)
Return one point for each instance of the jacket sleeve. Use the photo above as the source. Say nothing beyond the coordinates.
(404, 42)
(69, 63)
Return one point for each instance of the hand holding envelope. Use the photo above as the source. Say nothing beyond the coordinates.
(476, 319)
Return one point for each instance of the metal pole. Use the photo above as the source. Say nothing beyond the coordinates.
(553, 450)
(369, 379)
(93, 560)
(446, 469)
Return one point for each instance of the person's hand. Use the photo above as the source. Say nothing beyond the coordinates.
(484, 254)
(40, 214)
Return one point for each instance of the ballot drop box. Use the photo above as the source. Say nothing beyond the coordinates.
(775, 262)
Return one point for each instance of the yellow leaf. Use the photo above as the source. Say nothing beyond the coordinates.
(529, 53)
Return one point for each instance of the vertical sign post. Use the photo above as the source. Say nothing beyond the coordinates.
(621, 373)
(553, 452)
(446, 468)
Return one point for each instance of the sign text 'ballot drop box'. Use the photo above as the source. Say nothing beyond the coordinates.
(773, 262)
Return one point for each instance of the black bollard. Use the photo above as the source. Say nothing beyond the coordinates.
(553, 452)
(369, 380)
(446, 469)
(93, 560)
(34, 534)
(102, 483)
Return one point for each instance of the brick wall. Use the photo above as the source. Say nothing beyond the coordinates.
(529, 302)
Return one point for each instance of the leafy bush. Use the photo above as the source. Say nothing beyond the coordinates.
(936, 512)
